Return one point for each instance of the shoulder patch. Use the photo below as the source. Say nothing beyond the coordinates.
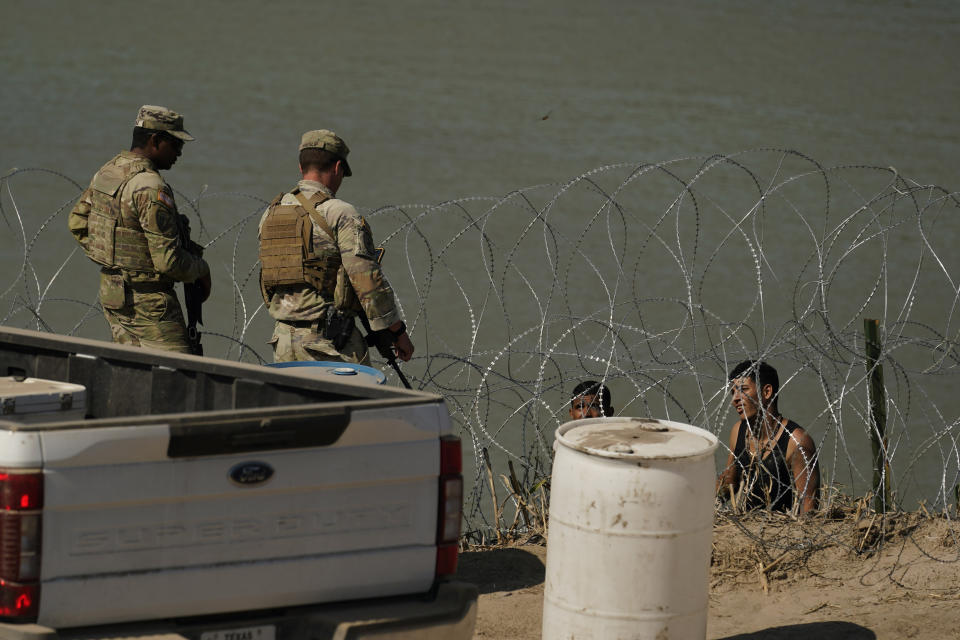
(166, 198)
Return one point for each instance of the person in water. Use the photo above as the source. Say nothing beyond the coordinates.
(590, 399)
(772, 461)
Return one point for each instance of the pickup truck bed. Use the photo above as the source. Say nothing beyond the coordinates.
(215, 500)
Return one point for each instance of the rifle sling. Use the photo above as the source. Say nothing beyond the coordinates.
(310, 206)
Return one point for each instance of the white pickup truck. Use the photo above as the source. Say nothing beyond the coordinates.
(163, 495)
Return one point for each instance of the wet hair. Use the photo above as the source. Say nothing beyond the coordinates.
(319, 159)
(594, 388)
(761, 373)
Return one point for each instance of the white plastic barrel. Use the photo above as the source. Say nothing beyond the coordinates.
(631, 519)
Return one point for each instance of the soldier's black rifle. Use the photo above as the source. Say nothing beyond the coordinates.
(383, 341)
(192, 292)
(193, 301)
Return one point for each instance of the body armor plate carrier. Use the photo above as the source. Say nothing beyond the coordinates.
(113, 240)
(287, 252)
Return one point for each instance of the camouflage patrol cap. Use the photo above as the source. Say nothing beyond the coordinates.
(328, 141)
(162, 119)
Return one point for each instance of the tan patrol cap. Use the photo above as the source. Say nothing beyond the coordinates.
(328, 141)
(162, 119)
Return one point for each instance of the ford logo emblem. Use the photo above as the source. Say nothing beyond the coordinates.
(250, 474)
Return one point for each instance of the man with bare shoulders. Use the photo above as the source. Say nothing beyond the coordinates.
(772, 460)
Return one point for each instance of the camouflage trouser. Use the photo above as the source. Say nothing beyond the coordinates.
(292, 343)
(151, 320)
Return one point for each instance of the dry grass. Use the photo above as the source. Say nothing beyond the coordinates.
(768, 548)
(528, 505)
(764, 547)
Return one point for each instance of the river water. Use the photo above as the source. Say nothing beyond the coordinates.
(443, 101)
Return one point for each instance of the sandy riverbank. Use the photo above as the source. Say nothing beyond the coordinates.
(827, 578)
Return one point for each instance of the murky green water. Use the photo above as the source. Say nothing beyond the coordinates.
(442, 100)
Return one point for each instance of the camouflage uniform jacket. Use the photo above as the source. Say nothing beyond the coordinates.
(146, 206)
(298, 303)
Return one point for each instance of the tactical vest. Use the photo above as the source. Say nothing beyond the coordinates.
(114, 240)
(287, 253)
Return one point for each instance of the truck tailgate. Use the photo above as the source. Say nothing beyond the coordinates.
(221, 516)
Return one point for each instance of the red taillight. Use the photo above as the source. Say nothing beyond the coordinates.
(19, 601)
(21, 502)
(447, 555)
(451, 461)
(21, 491)
(450, 511)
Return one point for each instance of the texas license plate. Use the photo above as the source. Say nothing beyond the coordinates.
(264, 632)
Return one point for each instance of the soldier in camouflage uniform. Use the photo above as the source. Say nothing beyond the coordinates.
(320, 269)
(127, 222)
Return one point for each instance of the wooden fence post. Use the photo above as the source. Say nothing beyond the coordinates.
(877, 398)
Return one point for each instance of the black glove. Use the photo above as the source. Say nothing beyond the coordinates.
(384, 339)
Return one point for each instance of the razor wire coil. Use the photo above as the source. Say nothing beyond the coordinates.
(654, 278)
